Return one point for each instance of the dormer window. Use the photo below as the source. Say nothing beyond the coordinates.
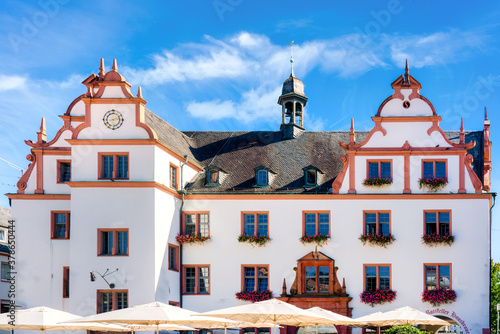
(261, 177)
(212, 177)
(310, 176)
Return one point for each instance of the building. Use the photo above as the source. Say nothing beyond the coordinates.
(4, 260)
(175, 216)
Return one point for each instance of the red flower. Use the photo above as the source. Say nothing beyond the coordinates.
(378, 296)
(254, 296)
(190, 238)
(439, 296)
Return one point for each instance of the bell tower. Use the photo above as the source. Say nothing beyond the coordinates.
(292, 101)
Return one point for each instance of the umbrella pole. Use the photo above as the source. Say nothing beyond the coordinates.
(316, 328)
(157, 328)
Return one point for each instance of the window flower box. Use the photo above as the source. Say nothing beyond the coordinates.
(254, 240)
(319, 239)
(373, 297)
(437, 239)
(254, 296)
(432, 184)
(191, 239)
(381, 240)
(377, 182)
(439, 296)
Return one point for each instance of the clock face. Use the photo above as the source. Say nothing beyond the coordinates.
(113, 119)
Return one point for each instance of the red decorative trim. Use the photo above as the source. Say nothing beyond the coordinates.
(23, 181)
(437, 274)
(197, 280)
(352, 175)
(65, 289)
(437, 220)
(461, 174)
(113, 296)
(377, 127)
(59, 176)
(53, 224)
(337, 184)
(140, 121)
(173, 266)
(65, 197)
(123, 184)
(39, 173)
(65, 127)
(304, 212)
(85, 124)
(256, 221)
(72, 104)
(407, 189)
(435, 127)
(473, 177)
(197, 221)
(378, 274)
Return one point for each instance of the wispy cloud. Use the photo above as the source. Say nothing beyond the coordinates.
(254, 63)
(11, 82)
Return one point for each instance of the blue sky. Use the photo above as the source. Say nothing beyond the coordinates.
(219, 64)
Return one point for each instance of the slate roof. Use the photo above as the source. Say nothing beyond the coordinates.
(237, 154)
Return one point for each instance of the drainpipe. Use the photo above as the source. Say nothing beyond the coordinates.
(182, 192)
(491, 222)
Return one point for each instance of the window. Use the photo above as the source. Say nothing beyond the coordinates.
(65, 282)
(4, 306)
(173, 257)
(435, 169)
(310, 177)
(256, 224)
(112, 242)
(197, 280)
(377, 277)
(378, 223)
(379, 169)
(63, 171)
(3, 235)
(172, 303)
(437, 276)
(437, 222)
(255, 278)
(316, 223)
(173, 176)
(317, 279)
(212, 177)
(113, 166)
(197, 223)
(5, 272)
(60, 224)
(261, 177)
(110, 300)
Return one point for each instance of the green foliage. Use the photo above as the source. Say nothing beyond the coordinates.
(495, 295)
(405, 329)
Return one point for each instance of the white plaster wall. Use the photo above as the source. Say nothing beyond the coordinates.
(395, 107)
(98, 129)
(85, 161)
(162, 163)
(61, 142)
(50, 165)
(131, 208)
(167, 225)
(39, 260)
(452, 170)
(407, 255)
(113, 92)
(361, 166)
(399, 132)
(78, 109)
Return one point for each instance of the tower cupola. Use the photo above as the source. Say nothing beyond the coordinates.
(292, 101)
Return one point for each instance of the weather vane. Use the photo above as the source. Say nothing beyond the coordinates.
(291, 55)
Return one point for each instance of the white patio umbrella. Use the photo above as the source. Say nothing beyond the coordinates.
(270, 311)
(152, 314)
(337, 319)
(402, 316)
(45, 318)
(165, 327)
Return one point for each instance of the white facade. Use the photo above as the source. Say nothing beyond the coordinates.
(147, 202)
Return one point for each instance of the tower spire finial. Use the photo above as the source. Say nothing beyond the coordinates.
(407, 81)
(291, 56)
(139, 92)
(115, 67)
(485, 114)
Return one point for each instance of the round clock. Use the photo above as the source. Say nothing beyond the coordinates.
(113, 119)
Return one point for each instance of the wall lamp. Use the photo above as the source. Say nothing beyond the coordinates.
(106, 273)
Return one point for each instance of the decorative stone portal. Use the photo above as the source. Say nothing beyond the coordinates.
(316, 284)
